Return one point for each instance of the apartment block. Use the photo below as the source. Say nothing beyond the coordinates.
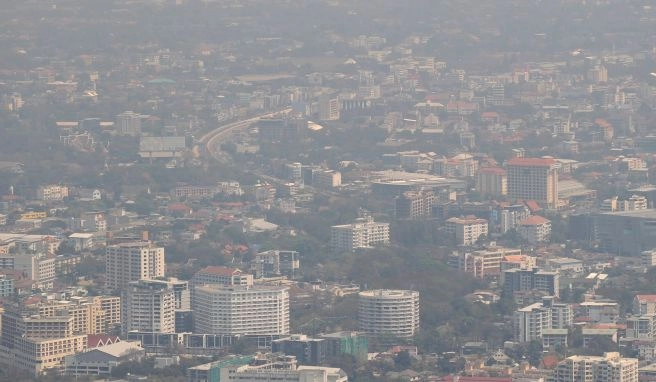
(364, 233)
(482, 263)
(492, 181)
(535, 279)
(531, 321)
(466, 230)
(389, 312)
(535, 229)
(53, 192)
(276, 263)
(414, 204)
(148, 306)
(610, 367)
(133, 261)
(241, 310)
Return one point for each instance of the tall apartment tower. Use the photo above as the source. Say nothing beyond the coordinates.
(127, 262)
(241, 310)
(533, 178)
(389, 312)
(148, 306)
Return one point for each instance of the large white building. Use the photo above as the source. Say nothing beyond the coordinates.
(241, 310)
(364, 233)
(466, 230)
(389, 312)
(148, 306)
(531, 321)
(133, 261)
(611, 367)
(52, 192)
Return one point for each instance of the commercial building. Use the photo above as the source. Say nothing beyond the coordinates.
(364, 233)
(492, 181)
(610, 367)
(627, 232)
(264, 367)
(466, 230)
(38, 268)
(326, 179)
(642, 327)
(133, 261)
(128, 123)
(148, 306)
(101, 360)
(162, 147)
(535, 179)
(53, 192)
(388, 312)
(241, 310)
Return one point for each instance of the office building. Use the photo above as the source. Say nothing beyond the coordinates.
(241, 310)
(326, 179)
(385, 312)
(346, 342)
(306, 350)
(533, 179)
(6, 286)
(641, 327)
(364, 233)
(492, 181)
(38, 268)
(133, 261)
(148, 306)
(644, 304)
(531, 280)
(627, 232)
(329, 108)
(466, 230)
(610, 367)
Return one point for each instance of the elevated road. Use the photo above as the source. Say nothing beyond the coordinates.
(213, 139)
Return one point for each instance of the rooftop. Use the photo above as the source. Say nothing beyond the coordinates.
(532, 162)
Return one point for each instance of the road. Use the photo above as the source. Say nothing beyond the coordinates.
(212, 140)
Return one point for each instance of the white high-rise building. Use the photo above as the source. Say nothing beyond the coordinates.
(611, 367)
(531, 321)
(133, 261)
(240, 310)
(148, 306)
(389, 312)
(364, 233)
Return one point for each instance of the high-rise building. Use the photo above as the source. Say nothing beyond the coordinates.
(241, 310)
(535, 179)
(364, 233)
(531, 321)
(275, 263)
(492, 181)
(389, 312)
(414, 204)
(148, 306)
(133, 261)
(611, 367)
(329, 108)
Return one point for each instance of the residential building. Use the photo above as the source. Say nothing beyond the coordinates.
(53, 192)
(38, 267)
(610, 367)
(148, 306)
(648, 258)
(531, 280)
(531, 321)
(466, 230)
(133, 261)
(644, 304)
(414, 204)
(535, 229)
(326, 179)
(482, 263)
(162, 147)
(128, 123)
(329, 108)
(275, 263)
(364, 233)
(606, 312)
(492, 181)
(642, 327)
(346, 342)
(240, 310)
(389, 312)
(535, 179)
(6, 286)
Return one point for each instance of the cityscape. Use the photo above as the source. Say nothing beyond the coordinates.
(328, 191)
